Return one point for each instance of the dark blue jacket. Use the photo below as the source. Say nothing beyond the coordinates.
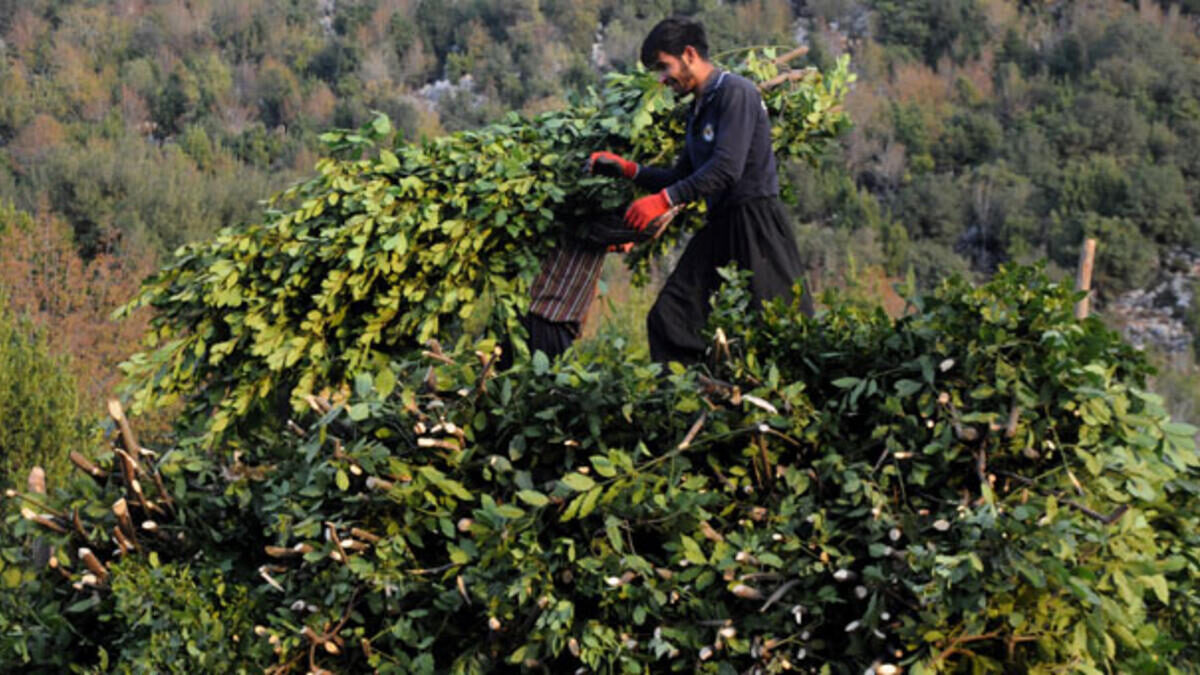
(727, 158)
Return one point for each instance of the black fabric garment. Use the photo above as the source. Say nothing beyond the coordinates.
(757, 236)
(608, 229)
(551, 337)
(728, 158)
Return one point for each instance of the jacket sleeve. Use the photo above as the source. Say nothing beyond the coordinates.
(655, 178)
(737, 114)
(607, 230)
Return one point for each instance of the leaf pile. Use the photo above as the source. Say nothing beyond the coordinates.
(982, 485)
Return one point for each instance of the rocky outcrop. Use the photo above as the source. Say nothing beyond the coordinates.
(327, 8)
(1157, 316)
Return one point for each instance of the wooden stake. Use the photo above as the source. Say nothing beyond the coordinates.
(92, 563)
(1083, 280)
(87, 467)
(121, 510)
(789, 76)
(337, 542)
(364, 535)
(117, 413)
(162, 490)
(43, 519)
(37, 480)
(78, 523)
(794, 54)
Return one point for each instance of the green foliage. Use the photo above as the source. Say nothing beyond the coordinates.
(39, 403)
(997, 395)
(1043, 90)
(34, 632)
(1091, 130)
(932, 29)
(130, 189)
(853, 490)
(181, 617)
(374, 256)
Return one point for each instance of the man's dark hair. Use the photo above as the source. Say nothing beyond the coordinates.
(672, 35)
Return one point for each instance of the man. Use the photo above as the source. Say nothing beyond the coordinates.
(729, 162)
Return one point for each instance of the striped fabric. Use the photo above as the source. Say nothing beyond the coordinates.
(564, 290)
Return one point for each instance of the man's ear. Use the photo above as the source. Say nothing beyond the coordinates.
(689, 55)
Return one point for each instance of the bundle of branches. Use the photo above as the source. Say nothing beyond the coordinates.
(435, 239)
(981, 486)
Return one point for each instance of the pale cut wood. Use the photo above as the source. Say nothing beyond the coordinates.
(92, 563)
(1083, 279)
(37, 480)
(116, 412)
(794, 54)
(86, 465)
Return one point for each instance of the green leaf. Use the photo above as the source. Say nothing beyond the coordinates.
(541, 363)
(603, 466)
(385, 382)
(771, 560)
(578, 482)
(846, 382)
(533, 498)
(388, 160)
(84, 605)
(509, 511)
(343, 481)
(982, 392)
(1159, 583)
(1180, 429)
(573, 508)
(447, 485)
(589, 501)
(691, 550)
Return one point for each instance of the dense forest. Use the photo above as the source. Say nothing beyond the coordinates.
(987, 130)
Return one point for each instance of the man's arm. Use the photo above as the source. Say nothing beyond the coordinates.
(738, 112)
(655, 178)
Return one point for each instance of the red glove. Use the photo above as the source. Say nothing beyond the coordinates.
(606, 163)
(643, 211)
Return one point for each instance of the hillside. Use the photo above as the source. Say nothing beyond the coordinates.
(987, 130)
(979, 482)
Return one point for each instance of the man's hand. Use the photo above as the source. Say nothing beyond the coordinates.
(643, 211)
(621, 248)
(605, 163)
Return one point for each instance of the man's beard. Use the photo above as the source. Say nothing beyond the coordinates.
(685, 82)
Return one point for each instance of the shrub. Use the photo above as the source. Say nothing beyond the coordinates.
(39, 402)
(982, 484)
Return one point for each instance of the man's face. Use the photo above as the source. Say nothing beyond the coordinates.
(676, 71)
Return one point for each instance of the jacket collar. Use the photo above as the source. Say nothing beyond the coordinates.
(709, 88)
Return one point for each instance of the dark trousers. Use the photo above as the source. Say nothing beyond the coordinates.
(757, 237)
(551, 337)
